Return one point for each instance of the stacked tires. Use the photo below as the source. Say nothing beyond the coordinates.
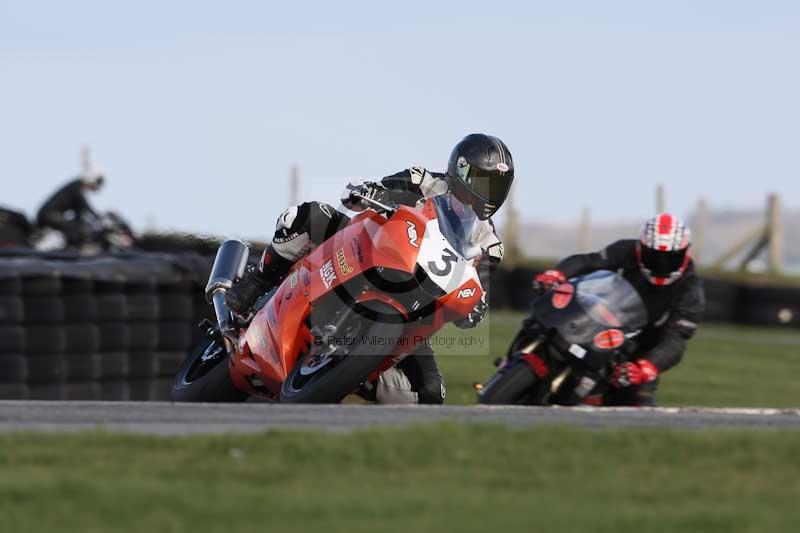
(104, 329)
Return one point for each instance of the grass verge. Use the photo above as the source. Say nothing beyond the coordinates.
(431, 478)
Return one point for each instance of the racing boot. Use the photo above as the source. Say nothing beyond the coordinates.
(271, 271)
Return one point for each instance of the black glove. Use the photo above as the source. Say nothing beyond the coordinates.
(369, 189)
(547, 280)
(241, 297)
(475, 316)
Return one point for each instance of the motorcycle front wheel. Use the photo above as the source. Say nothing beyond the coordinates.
(509, 386)
(369, 341)
(204, 376)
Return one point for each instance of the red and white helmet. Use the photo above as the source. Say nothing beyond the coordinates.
(664, 251)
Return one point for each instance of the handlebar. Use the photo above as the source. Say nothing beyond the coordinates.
(386, 208)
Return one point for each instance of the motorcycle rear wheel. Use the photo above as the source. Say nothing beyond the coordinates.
(208, 380)
(332, 383)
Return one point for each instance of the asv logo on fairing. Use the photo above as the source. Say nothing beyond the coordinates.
(412, 234)
(466, 293)
(327, 274)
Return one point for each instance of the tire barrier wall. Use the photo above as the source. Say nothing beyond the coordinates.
(108, 328)
(117, 327)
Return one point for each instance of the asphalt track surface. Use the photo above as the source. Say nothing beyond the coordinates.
(162, 418)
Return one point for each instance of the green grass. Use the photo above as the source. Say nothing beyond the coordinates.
(432, 478)
(724, 365)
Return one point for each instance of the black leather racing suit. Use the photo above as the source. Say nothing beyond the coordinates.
(674, 312)
(67, 211)
(301, 228)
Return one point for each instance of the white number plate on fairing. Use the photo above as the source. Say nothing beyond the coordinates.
(441, 262)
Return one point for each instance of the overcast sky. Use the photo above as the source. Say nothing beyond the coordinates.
(197, 110)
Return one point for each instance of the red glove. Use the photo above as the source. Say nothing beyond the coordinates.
(547, 280)
(628, 374)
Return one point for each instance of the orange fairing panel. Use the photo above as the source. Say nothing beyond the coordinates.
(278, 333)
(368, 241)
(397, 241)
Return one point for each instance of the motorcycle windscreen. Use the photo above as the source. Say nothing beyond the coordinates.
(458, 224)
(602, 300)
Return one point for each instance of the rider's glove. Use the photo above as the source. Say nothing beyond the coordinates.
(241, 297)
(369, 189)
(631, 374)
(475, 316)
(547, 280)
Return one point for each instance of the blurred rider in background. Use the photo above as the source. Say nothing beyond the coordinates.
(479, 176)
(69, 212)
(660, 267)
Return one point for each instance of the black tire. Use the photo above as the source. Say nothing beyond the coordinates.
(770, 306)
(143, 306)
(13, 368)
(11, 310)
(10, 285)
(175, 336)
(115, 391)
(114, 336)
(84, 367)
(82, 338)
(108, 286)
(114, 365)
(143, 336)
(12, 339)
(45, 340)
(45, 285)
(209, 381)
(73, 285)
(88, 391)
(47, 392)
(80, 308)
(333, 382)
(141, 390)
(143, 365)
(111, 307)
(47, 369)
(14, 391)
(173, 306)
(46, 310)
(509, 385)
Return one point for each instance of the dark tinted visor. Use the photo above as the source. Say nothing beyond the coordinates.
(491, 186)
(662, 264)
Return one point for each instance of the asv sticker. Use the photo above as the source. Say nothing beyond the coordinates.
(412, 234)
(467, 293)
(327, 274)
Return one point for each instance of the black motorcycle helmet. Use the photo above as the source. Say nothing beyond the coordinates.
(480, 172)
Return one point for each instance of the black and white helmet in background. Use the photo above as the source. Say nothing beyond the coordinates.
(664, 249)
(480, 173)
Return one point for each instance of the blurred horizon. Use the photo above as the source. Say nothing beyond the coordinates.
(197, 112)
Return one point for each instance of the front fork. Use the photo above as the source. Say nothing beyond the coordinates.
(559, 372)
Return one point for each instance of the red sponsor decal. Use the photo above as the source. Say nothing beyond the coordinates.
(562, 295)
(608, 339)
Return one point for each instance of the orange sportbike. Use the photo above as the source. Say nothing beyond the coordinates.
(355, 306)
